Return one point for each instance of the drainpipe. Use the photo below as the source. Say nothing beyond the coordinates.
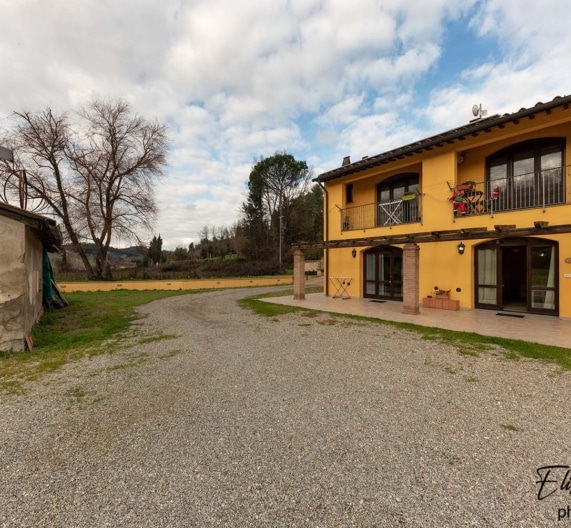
(326, 220)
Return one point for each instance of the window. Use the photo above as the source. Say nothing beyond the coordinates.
(384, 273)
(392, 209)
(528, 174)
(349, 193)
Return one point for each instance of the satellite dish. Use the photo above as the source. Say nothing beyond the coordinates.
(476, 110)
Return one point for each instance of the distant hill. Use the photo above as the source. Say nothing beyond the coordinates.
(118, 257)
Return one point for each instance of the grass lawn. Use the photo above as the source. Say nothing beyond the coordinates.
(468, 343)
(93, 323)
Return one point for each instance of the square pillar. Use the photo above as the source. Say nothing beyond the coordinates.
(411, 253)
(299, 275)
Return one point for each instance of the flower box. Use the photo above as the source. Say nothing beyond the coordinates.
(451, 305)
(464, 186)
(440, 303)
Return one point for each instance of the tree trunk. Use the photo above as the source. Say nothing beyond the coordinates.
(102, 268)
(87, 265)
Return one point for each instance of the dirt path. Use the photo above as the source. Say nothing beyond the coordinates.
(300, 420)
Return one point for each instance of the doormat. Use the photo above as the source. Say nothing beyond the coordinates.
(511, 315)
(379, 301)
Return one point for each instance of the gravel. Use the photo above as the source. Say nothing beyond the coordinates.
(301, 420)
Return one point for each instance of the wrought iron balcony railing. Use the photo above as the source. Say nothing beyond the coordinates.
(403, 211)
(533, 190)
(525, 191)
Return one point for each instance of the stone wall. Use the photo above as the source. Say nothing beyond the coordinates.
(33, 290)
(12, 285)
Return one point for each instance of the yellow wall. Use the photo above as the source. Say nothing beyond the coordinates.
(440, 263)
(203, 284)
(564, 269)
(474, 165)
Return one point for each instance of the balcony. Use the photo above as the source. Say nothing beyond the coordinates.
(524, 191)
(382, 214)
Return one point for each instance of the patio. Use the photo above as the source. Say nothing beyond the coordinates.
(543, 329)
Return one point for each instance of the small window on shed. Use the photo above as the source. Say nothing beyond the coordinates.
(349, 193)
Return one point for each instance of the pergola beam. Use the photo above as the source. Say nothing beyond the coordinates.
(473, 233)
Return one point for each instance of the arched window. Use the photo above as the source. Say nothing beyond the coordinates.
(397, 186)
(528, 174)
(396, 199)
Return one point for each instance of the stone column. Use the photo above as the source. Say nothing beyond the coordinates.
(299, 275)
(411, 279)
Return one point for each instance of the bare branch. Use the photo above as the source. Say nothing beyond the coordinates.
(97, 173)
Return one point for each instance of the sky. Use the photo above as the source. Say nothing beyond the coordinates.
(319, 79)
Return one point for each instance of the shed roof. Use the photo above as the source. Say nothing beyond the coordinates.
(45, 228)
(474, 128)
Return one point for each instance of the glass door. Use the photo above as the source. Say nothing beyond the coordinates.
(383, 274)
(518, 275)
(487, 291)
(543, 274)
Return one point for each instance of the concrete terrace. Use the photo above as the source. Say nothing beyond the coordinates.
(543, 329)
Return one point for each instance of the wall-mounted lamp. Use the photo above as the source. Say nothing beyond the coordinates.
(354, 252)
(461, 248)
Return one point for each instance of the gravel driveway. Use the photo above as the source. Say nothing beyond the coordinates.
(303, 420)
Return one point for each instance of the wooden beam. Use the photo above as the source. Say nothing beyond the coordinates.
(472, 229)
(504, 227)
(475, 233)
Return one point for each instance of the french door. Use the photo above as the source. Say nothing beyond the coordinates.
(518, 275)
(383, 273)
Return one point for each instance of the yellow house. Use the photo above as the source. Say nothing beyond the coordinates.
(483, 210)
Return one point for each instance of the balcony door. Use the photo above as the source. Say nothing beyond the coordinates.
(391, 208)
(383, 273)
(528, 174)
(518, 275)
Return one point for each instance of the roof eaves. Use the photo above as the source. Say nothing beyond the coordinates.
(46, 228)
(449, 137)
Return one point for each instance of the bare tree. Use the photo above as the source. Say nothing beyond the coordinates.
(94, 172)
(204, 234)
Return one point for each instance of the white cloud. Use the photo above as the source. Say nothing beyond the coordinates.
(344, 112)
(237, 80)
(532, 66)
(517, 23)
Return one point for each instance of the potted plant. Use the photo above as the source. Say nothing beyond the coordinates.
(440, 299)
(408, 196)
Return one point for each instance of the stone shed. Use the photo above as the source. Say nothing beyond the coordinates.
(26, 238)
